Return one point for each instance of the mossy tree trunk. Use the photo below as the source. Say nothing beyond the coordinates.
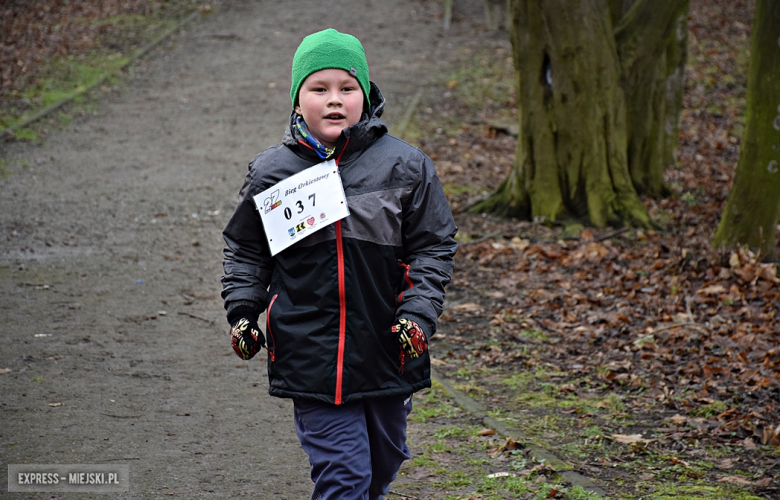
(753, 207)
(573, 66)
(652, 42)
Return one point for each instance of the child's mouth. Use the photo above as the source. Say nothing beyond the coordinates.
(334, 117)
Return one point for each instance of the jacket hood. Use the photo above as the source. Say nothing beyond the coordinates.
(367, 130)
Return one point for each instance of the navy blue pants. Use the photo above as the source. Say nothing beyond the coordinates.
(355, 449)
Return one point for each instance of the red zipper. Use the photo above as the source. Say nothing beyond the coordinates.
(407, 268)
(271, 353)
(342, 303)
(342, 314)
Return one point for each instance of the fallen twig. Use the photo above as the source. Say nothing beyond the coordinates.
(688, 309)
(610, 234)
(183, 313)
(483, 238)
(688, 324)
(403, 495)
(469, 204)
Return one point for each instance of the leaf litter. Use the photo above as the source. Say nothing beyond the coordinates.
(668, 348)
(50, 47)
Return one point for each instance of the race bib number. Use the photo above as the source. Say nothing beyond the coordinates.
(301, 205)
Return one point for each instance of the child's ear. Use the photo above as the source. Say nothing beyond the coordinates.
(298, 109)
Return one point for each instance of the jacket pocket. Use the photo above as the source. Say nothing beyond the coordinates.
(272, 344)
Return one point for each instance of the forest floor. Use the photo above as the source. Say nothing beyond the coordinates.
(643, 359)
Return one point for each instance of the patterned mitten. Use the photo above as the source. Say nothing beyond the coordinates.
(411, 337)
(246, 338)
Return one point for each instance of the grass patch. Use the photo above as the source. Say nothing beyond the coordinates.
(534, 335)
(27, 134)
(540, 400)
(453, 190)
(699, 492)
(451, 460)
(64, 77)
(427, 406)
(710, 410)
(455, 431)
(60, 79)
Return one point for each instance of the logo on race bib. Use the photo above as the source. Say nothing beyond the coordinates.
(291, 232)
(310, 221)
(272, 201)
(300, 227)
(322, 215)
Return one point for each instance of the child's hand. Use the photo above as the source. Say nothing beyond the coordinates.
(246, 338)
(411, 337)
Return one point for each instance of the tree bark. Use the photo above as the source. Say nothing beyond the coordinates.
(753, 207)
(652, 39)
(571, 155)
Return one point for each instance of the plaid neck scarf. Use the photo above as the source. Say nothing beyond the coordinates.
(319, 148)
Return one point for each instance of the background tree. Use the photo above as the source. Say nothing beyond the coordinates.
(598, 83)
(654, 83)
(753, 206)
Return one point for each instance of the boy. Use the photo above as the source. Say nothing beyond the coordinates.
(349, 306)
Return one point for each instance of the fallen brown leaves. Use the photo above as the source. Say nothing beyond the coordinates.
(35, 31)
(639, 314)
(659, 317)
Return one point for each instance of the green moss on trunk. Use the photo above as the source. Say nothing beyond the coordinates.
(599, 85)
(753, 206)
(651, 41)
(571, 161)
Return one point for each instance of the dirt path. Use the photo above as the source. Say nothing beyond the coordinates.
(110, 256)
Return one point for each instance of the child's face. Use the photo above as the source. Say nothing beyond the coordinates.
(330, 100)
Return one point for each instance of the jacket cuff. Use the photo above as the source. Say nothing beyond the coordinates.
(239, 310)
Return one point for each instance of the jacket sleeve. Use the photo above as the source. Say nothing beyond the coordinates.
(429, 246)
(247, 262)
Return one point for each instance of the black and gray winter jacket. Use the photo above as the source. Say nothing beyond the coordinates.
(332, 298)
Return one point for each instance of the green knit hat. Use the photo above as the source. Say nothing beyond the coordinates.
(325, 50)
